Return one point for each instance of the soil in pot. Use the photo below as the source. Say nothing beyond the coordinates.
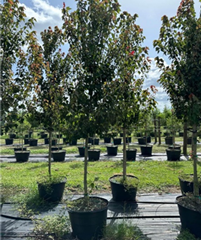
(186, 184)
(131, 154)
(112, 150)
(22, 156)
(88, 223)
(124, 191)
(59, 156)
(176, 146)
(173, 154)
(82, 151)
(190, 214)
(117, 141)
(93, 155)
(52, 192)
(146, 150)
(9, 141)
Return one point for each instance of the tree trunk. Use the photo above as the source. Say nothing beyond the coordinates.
(124, 153)
(85, 167)
(50, 152)
(194, 156)
(155, 130)
(159, 131)
(185, 139)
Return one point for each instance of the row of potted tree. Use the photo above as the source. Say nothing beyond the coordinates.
(99, 83)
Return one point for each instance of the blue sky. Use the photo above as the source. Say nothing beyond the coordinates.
(48, 13)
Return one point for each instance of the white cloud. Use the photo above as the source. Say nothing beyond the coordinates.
(45, 14)
(161, 96)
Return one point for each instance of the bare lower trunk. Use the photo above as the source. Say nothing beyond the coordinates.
(159, 131)
(49, 155)
(194, 156)
(124, 153)
(185, 139)
(85, 167)
(155, 131)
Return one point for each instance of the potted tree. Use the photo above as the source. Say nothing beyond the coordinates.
(180, 39)
(146, 147)
(47, 70)
(174, 150)
(11, 91)
(127, 92)
(88, 32)
(21, 153)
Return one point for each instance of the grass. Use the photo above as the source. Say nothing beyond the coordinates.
(19, 178)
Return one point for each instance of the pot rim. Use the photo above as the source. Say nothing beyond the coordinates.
(94, 211)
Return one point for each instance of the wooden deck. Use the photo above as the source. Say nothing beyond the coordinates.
(156, 216)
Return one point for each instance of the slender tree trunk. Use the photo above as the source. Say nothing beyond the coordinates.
(155, 130)
(124, 153)
(159, 131)
(194, 155)
(85, 167)
(185, 138)
(50, 152)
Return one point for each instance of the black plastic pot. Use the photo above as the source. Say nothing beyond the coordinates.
(128, 139)
(33, 142)
(146, 150)
(54, 141)
(120, 193)
(59, 156)
(12, 135)
(52, 192)
(73, 142)
(142, 141)
(82, 151)
(169, 140)
(112, 150)
(93, 155)
(26, 141)
(117, 141)
(187, 186)
(9, 141)
(65, 141)
(88, 225)
(22, 156)
(173, 154)
(131, 154)
(190, 219)
(43, 135)
(107, 140)
(189, 140)
(95, 141)
(181, 134)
